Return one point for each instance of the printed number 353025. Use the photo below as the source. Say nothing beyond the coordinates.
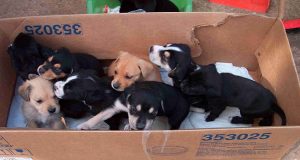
(251, 136)
(53, 29)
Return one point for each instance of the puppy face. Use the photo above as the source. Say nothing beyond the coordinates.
(174, 58)
(57, 66)
(81, 87)
(128, 69)
(39, 93)
(142, 110)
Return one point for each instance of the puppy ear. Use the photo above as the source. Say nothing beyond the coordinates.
(32, 76)
(128, 97)
(24, 91)
(178, 73)
(145, 67)
(112, 67)
(162, 105)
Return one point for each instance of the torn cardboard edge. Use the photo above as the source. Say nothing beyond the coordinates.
(196, 41)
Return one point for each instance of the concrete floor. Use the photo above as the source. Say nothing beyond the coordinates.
(17, 8)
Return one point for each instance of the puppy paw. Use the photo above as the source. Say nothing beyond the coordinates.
(210, 118)
(84, 126)
(236, 120)
(127, 127)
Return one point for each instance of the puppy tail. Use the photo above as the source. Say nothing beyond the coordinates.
(280, 112)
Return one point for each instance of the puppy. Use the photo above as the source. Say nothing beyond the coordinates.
(63, 63)
(95, 93)
(143, 101)
(175, 59)
(127, 69)
(26, 55)
(148, 6)
(208, 89)
(253, 100)
(40, 108)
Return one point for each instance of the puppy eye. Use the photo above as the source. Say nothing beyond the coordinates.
(128, 77)
(57, 69)
(116, 72)
(39, 101)
(133, 110)
(67, 88)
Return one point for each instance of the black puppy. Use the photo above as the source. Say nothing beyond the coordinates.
(253, 100)
(148, 6)
(143, 101)
(95, 93)
(63, 63)
(26, 55)
(146, 100)
(205, 86)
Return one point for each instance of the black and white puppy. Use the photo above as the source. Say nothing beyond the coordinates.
(94, 92)
(148, 6)
(175, 59)
(143, 101)
(216, 90)
(26, 55)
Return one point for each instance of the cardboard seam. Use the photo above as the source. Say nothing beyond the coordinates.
(294, 148)
(256, 53)
(145, 137)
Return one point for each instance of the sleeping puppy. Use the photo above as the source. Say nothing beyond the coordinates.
(40, 108)
(148, 6)
(26, 55)
(63, 63)
(143, 102)
(127, 69)
(95, 93)
(253, 100)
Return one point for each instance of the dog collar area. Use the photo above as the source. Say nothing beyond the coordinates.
(90, 107)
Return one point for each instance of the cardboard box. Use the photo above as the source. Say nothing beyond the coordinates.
(258, 43)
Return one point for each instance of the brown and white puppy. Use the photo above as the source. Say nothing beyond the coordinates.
(40, 108)
(127, 69)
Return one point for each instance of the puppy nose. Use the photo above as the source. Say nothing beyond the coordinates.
(51, 109)
(140, 126)
(42, 70)
(116, 85)
(151, 49)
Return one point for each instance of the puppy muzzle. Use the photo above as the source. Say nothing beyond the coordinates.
(116, 86)
(41, 70)
(58, 89)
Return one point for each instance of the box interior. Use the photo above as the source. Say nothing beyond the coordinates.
(263, 49)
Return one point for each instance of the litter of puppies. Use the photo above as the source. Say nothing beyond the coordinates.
(60, 86)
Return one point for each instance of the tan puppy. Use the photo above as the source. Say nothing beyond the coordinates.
(40, 108)
(127, 69)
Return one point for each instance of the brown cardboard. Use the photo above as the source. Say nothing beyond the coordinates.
(258, 43)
